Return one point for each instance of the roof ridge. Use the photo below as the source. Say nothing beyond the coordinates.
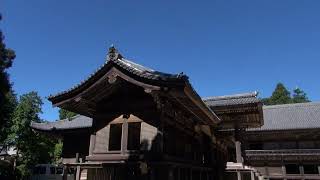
(233, 96)
(291, 105)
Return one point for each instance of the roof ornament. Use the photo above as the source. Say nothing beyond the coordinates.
(182, 76)
(113, 54)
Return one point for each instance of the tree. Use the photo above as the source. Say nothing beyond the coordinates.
(6, 58)
(7, 96)
(32, 147)
(279, 96)
(63, 114)
(6, 113)
(58, 151)
(299, 96)
(282, 96)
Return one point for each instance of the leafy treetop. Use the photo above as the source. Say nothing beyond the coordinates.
(281, 95)
(63, 114)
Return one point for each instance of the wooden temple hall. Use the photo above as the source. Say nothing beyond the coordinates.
(138, 123)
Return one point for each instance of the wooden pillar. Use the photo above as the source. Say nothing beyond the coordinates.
(124, 138)
(301, 170)
(78, 169)
(65, 174)
(239, 158)
(283, 171)
(238, 175)
(252, 175)
(238, 152)
(78, 173)
(92, 143)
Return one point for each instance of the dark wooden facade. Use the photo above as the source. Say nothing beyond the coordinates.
(143, 128)
(285, 154)
(288, 145)
(149, 125)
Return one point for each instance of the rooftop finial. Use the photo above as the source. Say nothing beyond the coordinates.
(113, 53)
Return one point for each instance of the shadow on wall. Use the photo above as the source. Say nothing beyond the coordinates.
(141, 164)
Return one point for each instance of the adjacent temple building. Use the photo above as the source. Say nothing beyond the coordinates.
(287, 146)
(138, 123)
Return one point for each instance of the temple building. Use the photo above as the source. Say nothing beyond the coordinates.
(287, 146)
(137, 123)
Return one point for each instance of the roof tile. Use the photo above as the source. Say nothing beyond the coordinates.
(291, 116)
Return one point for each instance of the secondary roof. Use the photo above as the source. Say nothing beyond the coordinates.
(290, 116)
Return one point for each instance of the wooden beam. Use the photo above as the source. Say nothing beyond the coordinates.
(124, 137)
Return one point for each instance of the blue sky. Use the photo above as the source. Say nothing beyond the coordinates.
(224, 46)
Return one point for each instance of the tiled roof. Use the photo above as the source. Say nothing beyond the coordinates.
(291, 116)
(76, 122)
(138, 73)
(229, 100)
(129, 66)
(80, 121)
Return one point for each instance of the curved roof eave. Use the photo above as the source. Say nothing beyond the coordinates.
(138, 72)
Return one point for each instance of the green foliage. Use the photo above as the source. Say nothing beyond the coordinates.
(6, 113)
(281, 95)
(6, 59)
(32, 147)
(63, 114)
(7, 97)
(58, 152)
(299, 96)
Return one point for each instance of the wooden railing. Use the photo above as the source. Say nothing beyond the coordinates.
(284, 152)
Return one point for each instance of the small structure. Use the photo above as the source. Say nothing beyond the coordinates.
(138, 123)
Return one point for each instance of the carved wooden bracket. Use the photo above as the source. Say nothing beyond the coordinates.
(112, 77)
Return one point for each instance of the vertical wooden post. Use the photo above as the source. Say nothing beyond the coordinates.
(238, 152)
(238, 146)
(78, 173)
(65, 175)
(252, 175)
(124, 138)
(92, 143)
(78, 170)
(301, 170)
(77, 158)
(238, 175)
(283, 170)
